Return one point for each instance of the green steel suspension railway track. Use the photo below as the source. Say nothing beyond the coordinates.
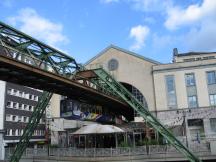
(27, 61)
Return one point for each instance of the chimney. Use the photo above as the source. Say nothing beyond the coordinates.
(175, 51)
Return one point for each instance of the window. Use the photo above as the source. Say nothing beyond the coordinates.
(25, 119)
(19, 118)
(192, 101)
(8, 132)
(15, 92)
(20, 94)
(30, 96)
(8, 117)
(25, 107)
(171, 94)
(9, 91)
(138, 95)
(112, 65)
(26, 95)
(15, 105)
(20, 106)
(13, 132)
(9, 104)
(30, 108)
(190, 79)
(213, 124)
(14, 118)
(212, 99)
(211, 77)
(36, 98)
(19, 132)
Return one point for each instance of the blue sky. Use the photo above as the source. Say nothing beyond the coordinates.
(83, 28)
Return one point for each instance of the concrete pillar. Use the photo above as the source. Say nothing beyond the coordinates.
(116, 139)
(213, 147)
(207, 127)
(188, 138)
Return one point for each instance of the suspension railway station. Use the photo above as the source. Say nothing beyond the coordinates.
(118, 106)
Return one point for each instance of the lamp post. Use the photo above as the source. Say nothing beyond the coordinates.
(48, 124)
(184, 115)
(48, 136)
(185, 127)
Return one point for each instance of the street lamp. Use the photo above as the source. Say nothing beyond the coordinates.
(48, 120)
(48, 135)
(184, 115)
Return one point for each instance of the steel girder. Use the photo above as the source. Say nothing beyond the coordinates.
(35, 50)
(150, 119)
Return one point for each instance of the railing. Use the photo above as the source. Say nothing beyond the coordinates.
(156, 150)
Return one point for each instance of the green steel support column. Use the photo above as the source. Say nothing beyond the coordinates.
(137, 106)
(29, 129)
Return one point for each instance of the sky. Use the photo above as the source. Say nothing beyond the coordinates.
(83, 28)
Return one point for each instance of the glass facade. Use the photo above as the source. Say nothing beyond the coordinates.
(171, 92)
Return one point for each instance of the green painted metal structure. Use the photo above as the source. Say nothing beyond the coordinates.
(22, 47)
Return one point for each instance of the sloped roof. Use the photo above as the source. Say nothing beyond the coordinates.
(123, 50)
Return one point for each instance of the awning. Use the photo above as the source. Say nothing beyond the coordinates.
(98, 129)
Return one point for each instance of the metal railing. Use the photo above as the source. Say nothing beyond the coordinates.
(156, 150)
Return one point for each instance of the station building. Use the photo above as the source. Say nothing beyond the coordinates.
(181, 94)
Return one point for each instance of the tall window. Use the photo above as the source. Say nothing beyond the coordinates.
(171, 94)
(213, 124)
(138, 95)
(212, 99)
(190, 79)
(211, 77)
(192, 101)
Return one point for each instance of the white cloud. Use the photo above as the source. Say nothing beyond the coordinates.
(195, 13)
(108, 1)
(139, 33)
(30, 22)
(200, 22)
(202, 38)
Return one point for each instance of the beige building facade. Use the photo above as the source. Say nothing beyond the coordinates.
(131, 69)
(179, 71)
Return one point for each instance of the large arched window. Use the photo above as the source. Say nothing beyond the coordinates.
(139, 96)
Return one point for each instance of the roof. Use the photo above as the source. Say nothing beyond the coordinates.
(125, 51)
(194, 53)
(98, 129)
